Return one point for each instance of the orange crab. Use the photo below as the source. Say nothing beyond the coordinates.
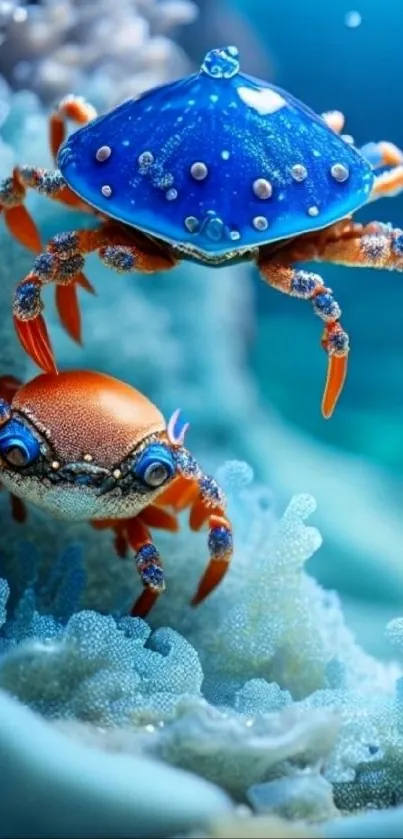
(85, 446)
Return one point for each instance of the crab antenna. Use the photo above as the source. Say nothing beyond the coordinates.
(177, 429)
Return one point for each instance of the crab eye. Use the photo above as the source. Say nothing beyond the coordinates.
(18, 446)
(155, 466)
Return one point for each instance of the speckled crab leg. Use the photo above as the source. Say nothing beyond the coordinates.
(47, 182)
(62, 264)
(309, 286)
(134, 533)
(382, 154)
(192, 488)
(73, 108)
(378, 245)
(379, 155)
(388, 184)
(148, 564)
(375, 245)
(12, 196)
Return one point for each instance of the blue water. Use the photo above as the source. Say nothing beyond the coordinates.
(359, 71)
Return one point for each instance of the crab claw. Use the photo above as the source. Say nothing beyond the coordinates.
(69, 310)
(35, 340)
(23, 227)
(335, 342)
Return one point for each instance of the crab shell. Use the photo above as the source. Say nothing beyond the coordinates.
(86, 414)
(217, 164)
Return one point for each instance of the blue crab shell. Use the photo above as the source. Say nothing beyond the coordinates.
(216, 164)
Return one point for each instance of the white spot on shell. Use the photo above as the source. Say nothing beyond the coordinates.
(260, 222)
(213, 97)
(192, 224)
(199, 171)
(117, 474)
(235, 235)
(146, 158)
(171, 194)
(106, 191)
(103, 153)
(313, 211)
(299, 172)
(339, 172)
(225, 154)
(263, 100)
(262, 188)
(87, 458)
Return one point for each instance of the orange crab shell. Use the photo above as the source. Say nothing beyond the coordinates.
(83, 413)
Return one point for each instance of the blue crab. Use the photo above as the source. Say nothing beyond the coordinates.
(217, 167)
(87, 447)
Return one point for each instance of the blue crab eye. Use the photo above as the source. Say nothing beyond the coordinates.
(18, 446)
(155, 465)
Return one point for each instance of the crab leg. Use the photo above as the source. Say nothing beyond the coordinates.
(12, 196)
(382, 154)
(388, 185)
(335, 120)
(377, 246)
(309, 286)
(148, 564)
(73, 108)
(134, 533)
(62, 263)
(207, 505)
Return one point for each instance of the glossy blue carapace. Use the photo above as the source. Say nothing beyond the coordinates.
(216, 163)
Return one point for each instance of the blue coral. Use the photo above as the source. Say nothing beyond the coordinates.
(269, 652)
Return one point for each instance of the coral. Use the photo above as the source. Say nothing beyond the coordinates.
(71, 790)
(222, 747)
(284, 628)
(92, 668)
(56, 47)
(242, 826)
(265, 688)
(305, 796)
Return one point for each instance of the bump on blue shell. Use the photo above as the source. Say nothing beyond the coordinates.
(15, 435)
(241, 130)
(154, 455)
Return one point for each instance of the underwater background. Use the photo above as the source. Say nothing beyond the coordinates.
(309, 679)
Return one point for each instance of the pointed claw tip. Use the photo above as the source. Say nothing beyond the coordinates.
(336, 377)
(195, 601)
(327, 411)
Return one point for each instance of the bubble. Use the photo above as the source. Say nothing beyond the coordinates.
(353, 19)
